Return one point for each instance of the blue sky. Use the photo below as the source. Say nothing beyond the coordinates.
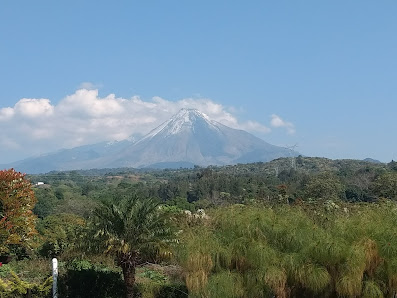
(319, 74)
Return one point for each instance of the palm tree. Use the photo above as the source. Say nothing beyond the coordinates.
(133, 230)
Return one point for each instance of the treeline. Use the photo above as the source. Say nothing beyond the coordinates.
(286, 179)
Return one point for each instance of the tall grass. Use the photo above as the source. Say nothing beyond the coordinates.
(259, 251)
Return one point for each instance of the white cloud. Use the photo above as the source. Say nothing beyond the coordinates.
(6, 113)
(255, 126)
(35, 126)
(34, 107)
(278, 122)
(87, 103)
(9, 143)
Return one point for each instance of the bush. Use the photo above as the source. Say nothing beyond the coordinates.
(83, 279)
(173, 291)
(14, 286)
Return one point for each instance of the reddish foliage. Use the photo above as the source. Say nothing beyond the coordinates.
(17, 222)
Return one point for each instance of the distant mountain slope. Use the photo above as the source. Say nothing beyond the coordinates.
(188, 138)
(68, 159)
(191, 137)
(372, 160)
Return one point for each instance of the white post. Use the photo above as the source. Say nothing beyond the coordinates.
(54, 277)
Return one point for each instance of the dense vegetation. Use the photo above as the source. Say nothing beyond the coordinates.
(256, 251)
(293, 227)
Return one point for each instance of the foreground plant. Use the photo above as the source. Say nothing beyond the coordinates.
(256, 251)
(14, 286)
(134, 231)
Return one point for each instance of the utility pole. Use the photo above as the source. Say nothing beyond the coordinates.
(291, 150)
(54, 278)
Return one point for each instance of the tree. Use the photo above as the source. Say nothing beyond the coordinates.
(17, 221)
(392, 165)
(59, 232)
(134, 230)
(325, 185)
(46, 202)
(386, 186)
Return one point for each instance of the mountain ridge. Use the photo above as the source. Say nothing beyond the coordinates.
(187, 138)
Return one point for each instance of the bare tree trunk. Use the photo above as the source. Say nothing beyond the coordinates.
(129, 279)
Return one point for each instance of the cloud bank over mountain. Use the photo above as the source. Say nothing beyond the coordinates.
(35, 126)
(278, 122)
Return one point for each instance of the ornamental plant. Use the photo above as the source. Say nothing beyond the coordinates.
(17, 221)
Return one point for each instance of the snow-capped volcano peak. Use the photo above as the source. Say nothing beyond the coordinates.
(188, 138)
(184, 120)
(189, 115)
